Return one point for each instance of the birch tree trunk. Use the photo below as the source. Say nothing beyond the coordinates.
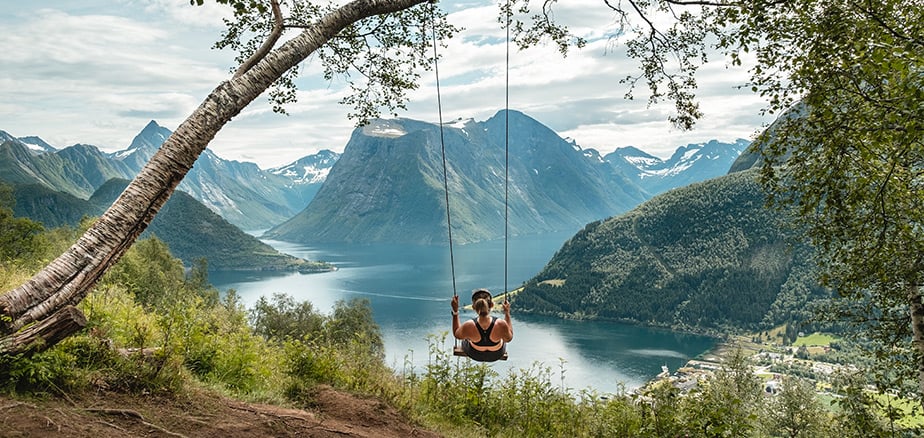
(68, 279)
(917, 329)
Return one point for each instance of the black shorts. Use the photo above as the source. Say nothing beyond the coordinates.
(483, 356)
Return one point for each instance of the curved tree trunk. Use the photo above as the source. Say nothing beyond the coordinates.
(917, 329)
(68, 279)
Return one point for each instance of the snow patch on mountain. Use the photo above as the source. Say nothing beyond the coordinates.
(690, 163)
(644, 161)
(689, 154)
(124, 153)
(384, 128)
(668, 171)
(460, 123)
(34, 147)
(36, 144)
(306, 175)
(312, 169)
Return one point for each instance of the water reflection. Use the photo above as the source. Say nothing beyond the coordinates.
(409, 288)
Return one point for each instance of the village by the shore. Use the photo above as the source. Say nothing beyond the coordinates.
(771, 361)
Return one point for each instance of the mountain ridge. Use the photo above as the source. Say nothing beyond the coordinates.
(244, 194)
(388, 184)
(252, 198)
(688, 164)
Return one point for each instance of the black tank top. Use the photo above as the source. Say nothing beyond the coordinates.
(485, 334)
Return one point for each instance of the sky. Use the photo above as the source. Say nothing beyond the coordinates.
(97, 71)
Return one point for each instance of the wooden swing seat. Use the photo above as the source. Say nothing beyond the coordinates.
(458, 351)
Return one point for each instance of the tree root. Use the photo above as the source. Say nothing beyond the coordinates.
(50, 422)
(124, 412)
(309, 421)
(114, 426)
(136, 415)
(154, 426)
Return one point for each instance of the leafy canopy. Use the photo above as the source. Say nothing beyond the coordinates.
(847, 153)
(380, 57)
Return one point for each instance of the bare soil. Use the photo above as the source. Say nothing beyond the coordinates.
(200, 414)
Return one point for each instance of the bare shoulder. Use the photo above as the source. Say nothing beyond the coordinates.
(467, 325)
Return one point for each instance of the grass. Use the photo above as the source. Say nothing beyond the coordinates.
(499, 298)
(815, 339)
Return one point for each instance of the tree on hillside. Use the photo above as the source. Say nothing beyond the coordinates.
(852, 164)
(385, 40)
(18, 236)
(847, 77)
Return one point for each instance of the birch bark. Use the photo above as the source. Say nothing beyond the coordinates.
(68, 279)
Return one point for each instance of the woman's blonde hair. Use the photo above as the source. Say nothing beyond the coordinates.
(482, 306)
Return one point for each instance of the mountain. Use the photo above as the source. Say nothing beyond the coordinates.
(34, 144)
(309, 170)
(689, 164)
(748, 159)
(89, 167)
(77, 170)
(51, 208)
(253, 199)
(708, 255)
(388, 184)
(37, 144)
(192, 231)
(307, 174)
(16, 162)
(143, 146)
(753, 157)
(242, 193)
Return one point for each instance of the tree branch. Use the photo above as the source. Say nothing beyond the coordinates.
(267, 45)
(881, 22)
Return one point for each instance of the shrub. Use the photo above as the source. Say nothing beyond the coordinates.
(280, 318)
(51, 371)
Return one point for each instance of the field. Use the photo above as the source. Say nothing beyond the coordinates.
(814, 340)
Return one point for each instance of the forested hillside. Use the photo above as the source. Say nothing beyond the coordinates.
(709, 255)
(193, 232)
(51, 208)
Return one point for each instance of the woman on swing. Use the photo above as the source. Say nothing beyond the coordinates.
(484, 338)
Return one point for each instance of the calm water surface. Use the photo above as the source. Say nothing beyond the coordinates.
(409, 288)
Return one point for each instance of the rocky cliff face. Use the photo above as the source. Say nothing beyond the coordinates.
(388, 184)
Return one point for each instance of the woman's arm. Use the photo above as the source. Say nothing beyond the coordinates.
(509, 336)
(456, 325)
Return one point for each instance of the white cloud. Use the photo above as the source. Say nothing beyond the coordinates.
(98, 72)
(95, 77)
(209, 15)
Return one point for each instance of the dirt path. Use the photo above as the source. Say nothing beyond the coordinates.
(200, 414)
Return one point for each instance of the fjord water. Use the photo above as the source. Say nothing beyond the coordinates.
(410, 287)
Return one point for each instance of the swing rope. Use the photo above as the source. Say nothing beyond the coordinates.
(439, 105)
(506, 148)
